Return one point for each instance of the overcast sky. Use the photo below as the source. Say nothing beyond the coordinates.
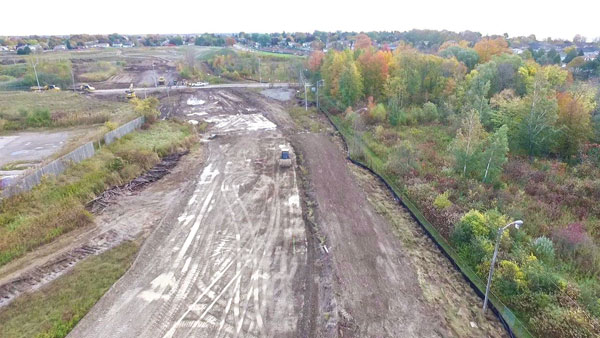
(558, 19)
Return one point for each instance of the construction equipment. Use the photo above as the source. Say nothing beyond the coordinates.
(86, 88)
(161, 81)
(130, 93)
(285, 160)
(42, 88)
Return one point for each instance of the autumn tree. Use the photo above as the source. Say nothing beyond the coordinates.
(363, 41)
(486, 48)
(374, 71)
(342, 77)
(350, 84)
(229, 41)
(574, 119)
(315, 60)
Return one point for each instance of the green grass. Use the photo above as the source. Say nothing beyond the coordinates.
(57, 205)
(65, 109)
(55, 309)
(306, 119)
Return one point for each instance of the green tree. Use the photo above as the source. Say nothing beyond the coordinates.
(468, 140)
(350, 85)
(495, 154)
(468, 56)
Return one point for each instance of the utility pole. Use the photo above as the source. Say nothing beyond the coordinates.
(73, 78)
(154, 71)
(35, 71)
(320, 81)
(306, 96)
(259, 74)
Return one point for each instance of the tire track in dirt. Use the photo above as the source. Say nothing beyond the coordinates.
(225, 265)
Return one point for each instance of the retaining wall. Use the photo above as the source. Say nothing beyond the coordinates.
(27, 182)
(13, 186)
(123, 130)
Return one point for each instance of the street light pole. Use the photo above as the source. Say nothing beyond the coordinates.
(517, 225)
(305, 97)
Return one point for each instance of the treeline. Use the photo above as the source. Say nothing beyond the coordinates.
(478, 136)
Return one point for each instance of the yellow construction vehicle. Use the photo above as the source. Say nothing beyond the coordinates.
(161, 81)
(42, 88)
(86, 88)
(130, 93)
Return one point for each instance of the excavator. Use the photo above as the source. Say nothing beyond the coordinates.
(130, 93)
(161, 81)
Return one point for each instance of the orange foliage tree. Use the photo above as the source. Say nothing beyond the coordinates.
(486, 48)
(363, 41)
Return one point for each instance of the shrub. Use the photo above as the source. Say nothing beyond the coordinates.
(378, 113)
(39, 118)
(116, 164)
(442, 201)
(147, 108)
(110, 125)
(402, 159)
(509, 278)
(429, 112)
(472, 224)
(556, 322)
(543, 247)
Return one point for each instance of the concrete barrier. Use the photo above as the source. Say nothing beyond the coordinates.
(13, 186)
(123, 130)
(56, 167)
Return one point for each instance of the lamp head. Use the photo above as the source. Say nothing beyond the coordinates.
(518, 224)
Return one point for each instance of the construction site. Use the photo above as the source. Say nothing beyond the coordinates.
(261, 228)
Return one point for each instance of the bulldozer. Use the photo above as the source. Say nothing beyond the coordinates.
(161, 81)
(130, 93)
(86, 88)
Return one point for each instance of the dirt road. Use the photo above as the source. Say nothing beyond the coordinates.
(227, 261)
(150, 90)
(380, 281)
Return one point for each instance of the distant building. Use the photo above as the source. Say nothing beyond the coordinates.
(101, 45)
(60, 47)
(117, 45)
(589, 56)
(127, 44)
(3, 49)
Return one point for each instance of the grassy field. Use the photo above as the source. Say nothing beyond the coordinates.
(99, 71)
(57, 205)
(23, 110)
(54, 310)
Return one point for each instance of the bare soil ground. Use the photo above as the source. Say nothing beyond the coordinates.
(384, 287)
(229, 259)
